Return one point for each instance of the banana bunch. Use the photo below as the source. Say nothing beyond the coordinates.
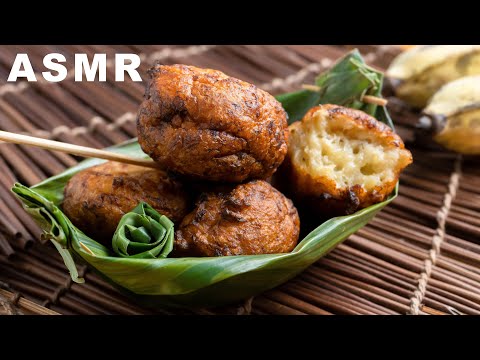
(453, 116)
(419, 72)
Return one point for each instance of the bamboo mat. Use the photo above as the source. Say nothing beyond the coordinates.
(420, 255)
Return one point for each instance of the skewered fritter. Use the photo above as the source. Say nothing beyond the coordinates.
(206, 125)
(247, 219)
(340, 160)
(95, 199)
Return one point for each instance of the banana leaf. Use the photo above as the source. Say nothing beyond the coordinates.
(143, 233)
(344, 84)
(209, 281)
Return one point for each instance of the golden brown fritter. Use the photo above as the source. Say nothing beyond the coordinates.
(207, 125)
(340, 160)
(249, 219)
(96, 198)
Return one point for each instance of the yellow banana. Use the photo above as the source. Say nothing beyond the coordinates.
(453, 115)
(420, 71)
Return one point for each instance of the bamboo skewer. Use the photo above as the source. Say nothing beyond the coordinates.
(74, 149)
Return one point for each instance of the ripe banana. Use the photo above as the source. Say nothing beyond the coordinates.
(420, 71)
(453, 115)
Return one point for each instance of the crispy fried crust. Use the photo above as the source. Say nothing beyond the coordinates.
(323, 192)
(207, 125)
(248, 219)
(96, 198)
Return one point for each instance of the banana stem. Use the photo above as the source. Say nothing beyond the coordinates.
(431, 123)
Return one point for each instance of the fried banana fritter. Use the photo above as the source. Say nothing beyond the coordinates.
(206, 125)
(341, 160)
(95, 199)
(248, 219)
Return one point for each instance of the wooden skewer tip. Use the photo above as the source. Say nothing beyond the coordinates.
(369, 99)
(311, 87)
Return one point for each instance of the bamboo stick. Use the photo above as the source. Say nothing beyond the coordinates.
(74, 149)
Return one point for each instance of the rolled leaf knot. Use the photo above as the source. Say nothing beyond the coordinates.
(143, 233)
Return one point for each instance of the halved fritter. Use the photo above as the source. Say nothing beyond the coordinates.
(340, 159)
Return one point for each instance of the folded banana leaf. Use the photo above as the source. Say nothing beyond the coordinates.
(143, 233)
(156, 281)
(344, 84)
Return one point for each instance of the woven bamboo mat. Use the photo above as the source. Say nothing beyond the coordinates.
(420, 255)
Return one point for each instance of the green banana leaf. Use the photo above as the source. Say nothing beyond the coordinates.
(143, 233)
(344, 84)
(208, 281)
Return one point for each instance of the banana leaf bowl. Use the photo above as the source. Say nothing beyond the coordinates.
(209, 281)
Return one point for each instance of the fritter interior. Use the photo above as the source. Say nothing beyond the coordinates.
(345, 157)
